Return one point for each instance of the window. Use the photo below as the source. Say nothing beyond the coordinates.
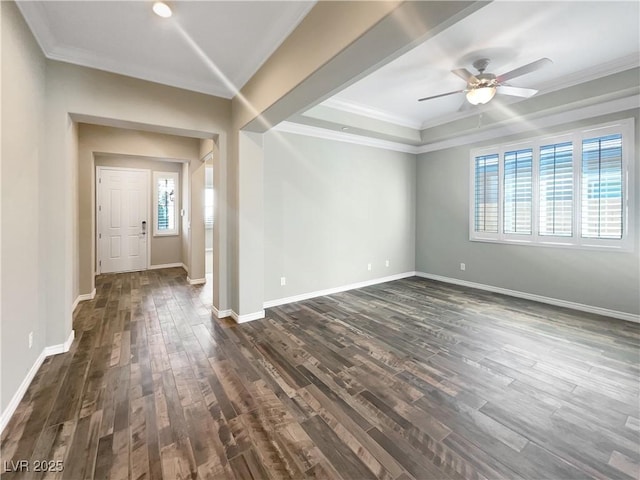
(486, 194)
(165, 197)
(208, 207)
(556, 190)
(568, 190)
(602, 187)
(517, 191)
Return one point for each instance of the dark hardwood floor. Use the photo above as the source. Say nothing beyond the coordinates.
(411, 379)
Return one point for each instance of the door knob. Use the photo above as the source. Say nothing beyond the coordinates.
(144, 227)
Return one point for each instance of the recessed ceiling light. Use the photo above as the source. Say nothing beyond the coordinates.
(162, 9)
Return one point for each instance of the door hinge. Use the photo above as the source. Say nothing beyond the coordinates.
(99, 208)
(99, 235)
(100, 263)
(100, 180)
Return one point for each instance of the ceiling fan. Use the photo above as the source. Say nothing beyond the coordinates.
(482, 87)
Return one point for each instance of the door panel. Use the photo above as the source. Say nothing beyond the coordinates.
(122, 207)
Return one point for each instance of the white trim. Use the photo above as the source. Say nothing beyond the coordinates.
(22, 389)
(624, 127)
(196, 281)
(309, 131)
(166, 265)
(331, 291)
(221, 313)
(83, 297)
(537, 298)
(505, 128)
(247, 317)
(61, 347)
(369, 112)
(509, 127)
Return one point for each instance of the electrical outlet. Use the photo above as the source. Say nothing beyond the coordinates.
(369, 266)
(463, 267)
(283, 281)
(386, 263)
(30, 339)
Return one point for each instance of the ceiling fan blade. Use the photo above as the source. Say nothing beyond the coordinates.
(531, 67)
(516, 91)
(438, 96)
(465, 74)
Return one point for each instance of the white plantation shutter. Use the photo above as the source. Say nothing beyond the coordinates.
(486, 193)
(567, 190)
(518, 191)
(165, 192)
(601, 202)
(555, 214)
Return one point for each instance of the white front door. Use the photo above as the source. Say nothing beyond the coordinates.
(122, 209)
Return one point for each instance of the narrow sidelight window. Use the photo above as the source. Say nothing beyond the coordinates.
(166, 203)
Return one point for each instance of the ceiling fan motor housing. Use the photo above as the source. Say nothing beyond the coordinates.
(484, 80)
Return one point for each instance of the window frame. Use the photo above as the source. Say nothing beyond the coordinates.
(624, 127)
(157, 176)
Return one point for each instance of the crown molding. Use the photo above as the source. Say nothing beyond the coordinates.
(508, 127)
(309, 131)
(370, 112)
(83, 58)
(34, 15)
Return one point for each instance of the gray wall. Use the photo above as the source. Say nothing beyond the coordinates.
(330, 209)
(599, 278)
(23, 89)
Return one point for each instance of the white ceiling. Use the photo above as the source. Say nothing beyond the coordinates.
(216, 46)
(585, 40)
(211, 47)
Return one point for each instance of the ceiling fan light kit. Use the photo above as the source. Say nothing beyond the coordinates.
(481, 95)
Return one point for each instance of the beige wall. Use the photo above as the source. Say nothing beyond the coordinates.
(90, 96)
(95, 141)
(21, 279)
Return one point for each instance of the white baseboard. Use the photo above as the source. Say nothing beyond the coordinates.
(537, 298)
(331, 291)
(22, 389)
(60, 348)
(83, 297)
(247, 317)
(196, 281)
(166, 265)
(221, 313)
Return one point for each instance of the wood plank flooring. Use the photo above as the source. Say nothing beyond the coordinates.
(411, 379)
